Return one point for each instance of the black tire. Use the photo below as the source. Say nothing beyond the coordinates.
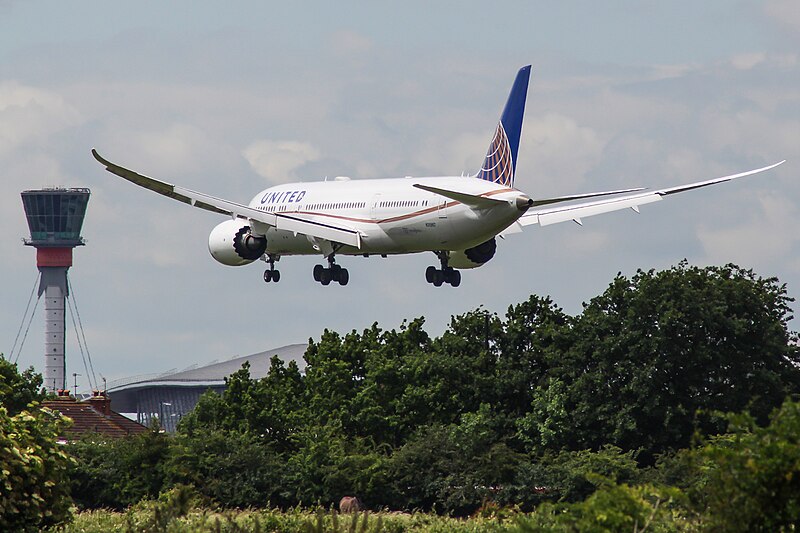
(267, 276)
(276, 276)
(318, 272)
(455, 278)
(344, 277)
(438, 278)
(326, 276)
(430, 273)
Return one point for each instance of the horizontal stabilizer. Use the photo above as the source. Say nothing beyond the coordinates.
(577, 212)
(547, 201)
(478, 202)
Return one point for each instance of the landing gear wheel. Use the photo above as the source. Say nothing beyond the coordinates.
(438, 278)
(276, 276)
(430, 272)
(267, 276)
(326, 276)
(343, 276)
(318, 272)
(454, 278)
(336, 272)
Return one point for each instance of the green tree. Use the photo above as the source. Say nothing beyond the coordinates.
(272, 408)
(18, 390)
(654, 350)
(750, 478)
(230, 468)
(327, 466)
(34, 488)
(454, 468)
(118, 472)
(616, 508)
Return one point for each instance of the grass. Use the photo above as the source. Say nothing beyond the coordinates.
(153, 518)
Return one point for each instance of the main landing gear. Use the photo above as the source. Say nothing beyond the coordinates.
(334, 272)
(271, 274)
(446, 274)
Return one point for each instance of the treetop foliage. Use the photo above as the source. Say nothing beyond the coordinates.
(580, 417)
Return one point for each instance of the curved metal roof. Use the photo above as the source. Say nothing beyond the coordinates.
(214, 373)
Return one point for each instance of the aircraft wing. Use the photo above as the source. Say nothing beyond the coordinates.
(576, 212)
(282, 221)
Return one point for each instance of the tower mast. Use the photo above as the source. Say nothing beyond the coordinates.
(55, 217)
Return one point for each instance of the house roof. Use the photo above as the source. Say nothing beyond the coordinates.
(93, 416)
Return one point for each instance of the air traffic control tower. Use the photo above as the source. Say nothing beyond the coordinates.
(55, 217)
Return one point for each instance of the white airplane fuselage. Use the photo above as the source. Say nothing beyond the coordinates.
(392, 215)
(455, 217)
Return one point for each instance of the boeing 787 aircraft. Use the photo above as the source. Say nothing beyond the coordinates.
(456, 218)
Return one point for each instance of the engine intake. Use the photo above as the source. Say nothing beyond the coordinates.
(232, 243)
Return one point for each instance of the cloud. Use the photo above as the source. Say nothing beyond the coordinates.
(763, 238)
(278, 161)
(559, 152)
(748, 61)
(349, 43)
(31, 114)
(785, 12)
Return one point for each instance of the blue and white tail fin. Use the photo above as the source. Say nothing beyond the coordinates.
(501, 158)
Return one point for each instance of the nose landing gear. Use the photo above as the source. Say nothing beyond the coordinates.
(271, 274)
(446, 274)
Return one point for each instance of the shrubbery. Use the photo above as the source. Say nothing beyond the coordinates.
(34, 487)
(586, 420)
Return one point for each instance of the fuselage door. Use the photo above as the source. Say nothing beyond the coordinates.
(374, 210)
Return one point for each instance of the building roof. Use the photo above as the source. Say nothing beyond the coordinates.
(93, 416)
(212, 375)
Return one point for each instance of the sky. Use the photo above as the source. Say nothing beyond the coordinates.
(230, 99)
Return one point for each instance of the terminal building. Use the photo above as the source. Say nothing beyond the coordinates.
(170, 395)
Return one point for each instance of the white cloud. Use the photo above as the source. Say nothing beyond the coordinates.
(278, 161)
(30, 114)
(349, 43)
(558, 151)
(748, 61)
(785, 12)
(768, 237)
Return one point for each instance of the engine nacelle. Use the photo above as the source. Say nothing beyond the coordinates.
(473, 257)
(231, 243)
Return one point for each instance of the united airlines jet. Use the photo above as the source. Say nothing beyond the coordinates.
(456, 218)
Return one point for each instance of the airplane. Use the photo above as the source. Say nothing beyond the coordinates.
(458, 218)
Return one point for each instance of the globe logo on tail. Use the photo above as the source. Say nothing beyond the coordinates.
(498, 166)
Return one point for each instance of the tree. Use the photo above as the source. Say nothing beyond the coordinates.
(18, 390)
(118, 472)
(750, 478)
(271, 408)
(230, 468)
(654, 356)
(454, 468)
(34, 487)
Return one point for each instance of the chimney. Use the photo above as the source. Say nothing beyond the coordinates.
(100, 402)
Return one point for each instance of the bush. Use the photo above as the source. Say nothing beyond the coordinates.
(34, 492)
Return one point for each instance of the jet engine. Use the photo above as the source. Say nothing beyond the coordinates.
(233, 244)
(473, 257)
